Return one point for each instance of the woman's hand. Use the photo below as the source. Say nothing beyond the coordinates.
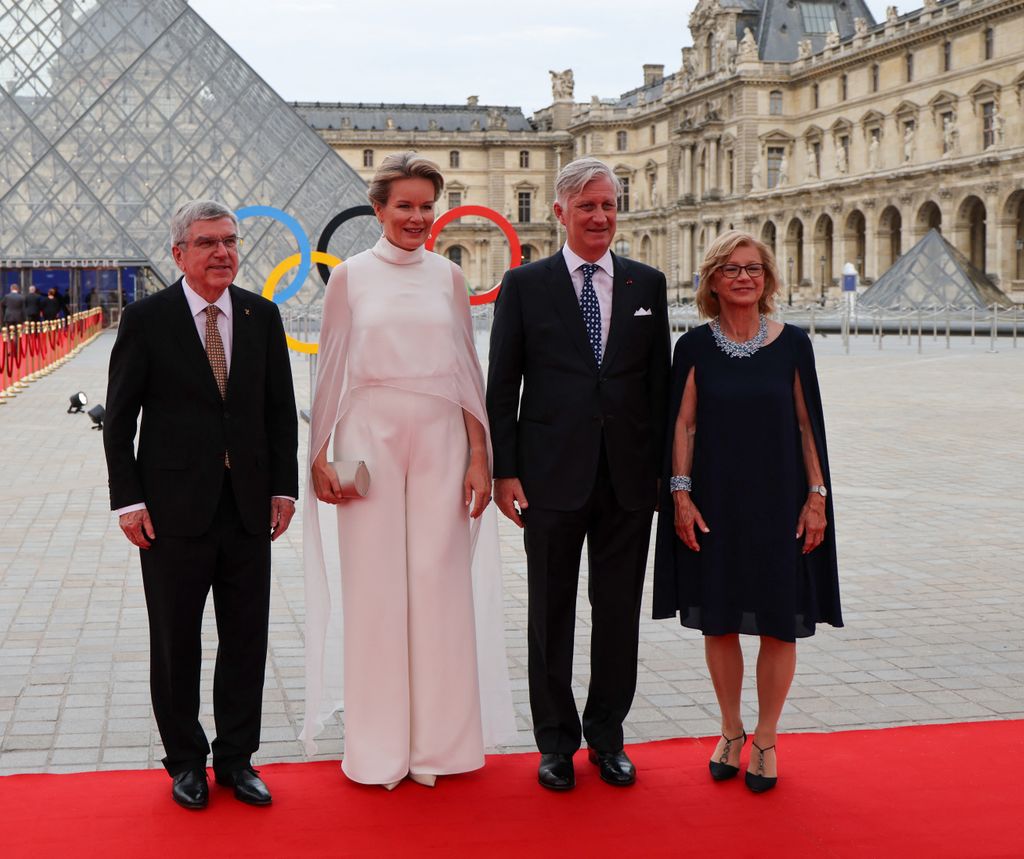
(686, 516)
(326, 484)
(477, 484)
(812, 522)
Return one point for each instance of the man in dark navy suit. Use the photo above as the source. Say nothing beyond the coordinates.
(213, 482)
(584, 333)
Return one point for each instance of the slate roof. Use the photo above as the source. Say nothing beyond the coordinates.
(782, 26)
(409, 117)
(933, 273)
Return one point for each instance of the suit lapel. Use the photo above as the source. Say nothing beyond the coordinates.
(563, 296)
(241, 336)
(620, 310)
(183, 327)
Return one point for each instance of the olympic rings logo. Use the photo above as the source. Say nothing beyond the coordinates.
(307, 257)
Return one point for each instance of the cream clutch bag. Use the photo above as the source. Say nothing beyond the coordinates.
(354, 477)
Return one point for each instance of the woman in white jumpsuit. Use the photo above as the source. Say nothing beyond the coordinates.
(399, 385)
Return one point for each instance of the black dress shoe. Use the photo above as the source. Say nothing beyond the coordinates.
(556, 772)
(249, 787)
(616, 767)
(189, 789)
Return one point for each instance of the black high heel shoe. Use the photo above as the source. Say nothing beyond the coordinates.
(720, 770)
(758, 782)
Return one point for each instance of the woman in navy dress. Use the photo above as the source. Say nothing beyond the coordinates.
(749, 545)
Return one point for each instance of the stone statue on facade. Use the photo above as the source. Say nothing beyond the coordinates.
(812, 163)
(841, 163)
(804, 49)
(860, 26)
(783, 170)
(562, 85)
(998, 124)
(908, 142)
(755, 176)
(950, 136)
(496, 120)
(873, 152)
(832, 39)
(748, 47)
(891, 15)
(688, 69)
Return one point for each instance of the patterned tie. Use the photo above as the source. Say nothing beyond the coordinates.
(591, 309)
(218, 361)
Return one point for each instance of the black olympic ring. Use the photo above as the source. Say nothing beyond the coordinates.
(331, 228)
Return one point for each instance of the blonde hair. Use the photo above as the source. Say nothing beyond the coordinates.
(718, 255)
(403, 165)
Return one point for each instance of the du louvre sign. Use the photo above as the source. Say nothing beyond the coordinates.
(67, 263)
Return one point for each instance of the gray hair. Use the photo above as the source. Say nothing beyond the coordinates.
(198, 210)
(575, 176)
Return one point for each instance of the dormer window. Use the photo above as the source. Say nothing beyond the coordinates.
(819, 16)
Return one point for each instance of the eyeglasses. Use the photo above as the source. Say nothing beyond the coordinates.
(205, 243)
(733, 271)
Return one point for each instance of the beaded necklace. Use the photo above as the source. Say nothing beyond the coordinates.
(747, 347)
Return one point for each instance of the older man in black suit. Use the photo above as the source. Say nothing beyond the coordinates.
(585, 334)
(12, 308)
(214, 481)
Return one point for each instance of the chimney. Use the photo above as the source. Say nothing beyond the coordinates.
(474, 100)
(653, 73)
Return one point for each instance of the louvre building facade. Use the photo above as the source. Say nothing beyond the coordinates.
(115, 112)
(835, 137)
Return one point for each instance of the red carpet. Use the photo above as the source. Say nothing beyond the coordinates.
(931, 791)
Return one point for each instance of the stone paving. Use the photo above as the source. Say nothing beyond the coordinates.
(927, 456)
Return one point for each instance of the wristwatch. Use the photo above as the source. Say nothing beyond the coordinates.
(821, 490)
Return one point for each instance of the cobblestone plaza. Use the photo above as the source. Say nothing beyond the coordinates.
(926, 455)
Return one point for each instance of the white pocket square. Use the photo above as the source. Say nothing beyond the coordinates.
(643, 311)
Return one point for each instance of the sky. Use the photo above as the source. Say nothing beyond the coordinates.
(443, 51)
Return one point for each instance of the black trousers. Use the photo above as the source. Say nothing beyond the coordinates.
(178, 574)
(617, 542)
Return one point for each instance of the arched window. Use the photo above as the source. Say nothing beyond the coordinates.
(454, 253)
(621, 141)
(453, 158)
(527, 252)
(524, 158)
(990, 43)
(844, 88)
(367, 157)
(815, 98)
(775, 102)
(947, 55)
(909, 63)
(874, 77)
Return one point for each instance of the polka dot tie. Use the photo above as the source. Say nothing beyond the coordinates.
(218, 360)
(591, 309)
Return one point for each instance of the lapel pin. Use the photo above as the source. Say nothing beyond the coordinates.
(246, 311)
(629, 280)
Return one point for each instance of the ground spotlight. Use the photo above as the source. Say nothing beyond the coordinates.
(78, 402)
(97, 413)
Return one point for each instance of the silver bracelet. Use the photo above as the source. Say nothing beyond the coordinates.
(680, 483)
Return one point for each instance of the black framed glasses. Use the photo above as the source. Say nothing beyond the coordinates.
(755, 269)
(205, 243)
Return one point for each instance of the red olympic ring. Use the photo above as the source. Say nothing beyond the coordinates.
(497, 218)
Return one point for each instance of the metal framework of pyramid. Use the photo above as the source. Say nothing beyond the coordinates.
(933, 273)
(115, 112)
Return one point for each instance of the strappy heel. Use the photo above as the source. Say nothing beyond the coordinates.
(721, 769)
(758, 782)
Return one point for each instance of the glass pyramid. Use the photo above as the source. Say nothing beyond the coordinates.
(933, 273)
(115, 112)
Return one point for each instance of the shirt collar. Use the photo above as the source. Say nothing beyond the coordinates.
(197, 304)
(573, 260)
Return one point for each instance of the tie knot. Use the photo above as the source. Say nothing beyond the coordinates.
(588, 268)
(211, 311)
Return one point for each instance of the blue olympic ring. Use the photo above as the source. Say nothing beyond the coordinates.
(292, 289)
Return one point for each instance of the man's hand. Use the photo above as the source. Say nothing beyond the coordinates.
(281, 512)
(138, 527)
(508, 492)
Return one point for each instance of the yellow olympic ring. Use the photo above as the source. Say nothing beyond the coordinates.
(278, 273)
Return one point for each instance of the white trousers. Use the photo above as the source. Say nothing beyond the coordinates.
(412, 700)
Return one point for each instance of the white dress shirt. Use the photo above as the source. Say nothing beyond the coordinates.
(603, 280)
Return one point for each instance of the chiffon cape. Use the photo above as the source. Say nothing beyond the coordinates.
(435, 355)
(805, 588)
